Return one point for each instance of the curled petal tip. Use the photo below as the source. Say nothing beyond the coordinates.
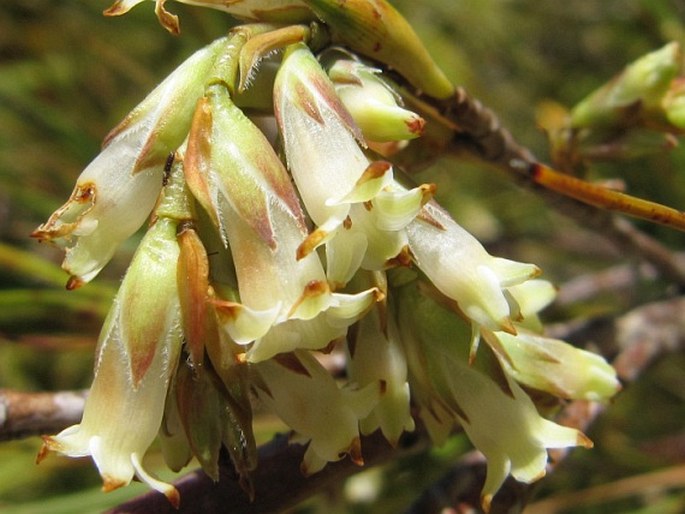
(416, 125)
(584, 441)
(110, 484)
(117, 9)
(45, 449)
(507, 326)
(174, 497)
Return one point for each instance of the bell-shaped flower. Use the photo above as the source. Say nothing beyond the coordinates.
(117, 191)
(374, 106)
(285, 302)
(137, 354)
(341, 189)
(307, 398)
(497, 415)
(464, 271)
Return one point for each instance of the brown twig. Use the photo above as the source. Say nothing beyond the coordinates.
(463, 127)
(24, 414)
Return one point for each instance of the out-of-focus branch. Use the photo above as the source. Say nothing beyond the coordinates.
(25, 414)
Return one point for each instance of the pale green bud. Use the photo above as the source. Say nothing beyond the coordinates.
(674, 103)
(374, 106)
(634, 96)
(557, 367)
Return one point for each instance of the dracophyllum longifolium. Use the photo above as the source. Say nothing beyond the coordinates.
(342, 190)
(464, 271)
(285, 302)
(117, 191)
(308, 399)
(138, 352)
(495, 412)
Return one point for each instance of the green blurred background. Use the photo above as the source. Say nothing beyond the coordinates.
(68, 74)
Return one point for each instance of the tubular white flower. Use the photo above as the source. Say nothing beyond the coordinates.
(334, 176)
(285, 302)
(462, 269)
(307, 398)
(137, 353)
(116, 192)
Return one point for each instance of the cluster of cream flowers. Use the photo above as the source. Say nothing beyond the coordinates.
(272, 241)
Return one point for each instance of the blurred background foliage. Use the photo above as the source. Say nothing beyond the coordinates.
(67, 75)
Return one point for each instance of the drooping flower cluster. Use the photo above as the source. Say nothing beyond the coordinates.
(263, 252)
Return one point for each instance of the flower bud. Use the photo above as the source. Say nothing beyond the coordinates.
(634, 97)
(373, 104)
(375, 29)
(557, 367)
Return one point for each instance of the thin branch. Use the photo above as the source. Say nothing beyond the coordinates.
(463, 127)
(25, 414)
(646, 484)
